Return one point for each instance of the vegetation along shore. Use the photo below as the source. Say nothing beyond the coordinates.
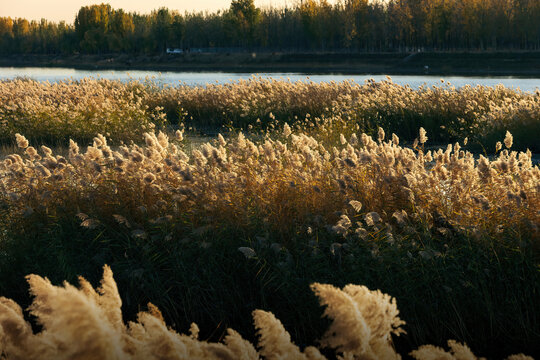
(413, 63)
(56, 112)
(308, 184)
(491, 37)
(330, 220)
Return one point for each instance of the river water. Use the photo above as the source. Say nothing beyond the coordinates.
(203, 78)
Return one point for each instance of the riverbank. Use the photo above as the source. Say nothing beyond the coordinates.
(125, 111)
(431, 63)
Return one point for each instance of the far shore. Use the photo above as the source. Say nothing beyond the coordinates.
(519, 64)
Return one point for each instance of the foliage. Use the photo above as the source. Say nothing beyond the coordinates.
(244, 17)
(350, 25)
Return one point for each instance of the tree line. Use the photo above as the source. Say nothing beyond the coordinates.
(309, 25)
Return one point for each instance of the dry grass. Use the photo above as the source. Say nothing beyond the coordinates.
(56, 112)
(86, 323)
(124, 111)
(286, 180)
(303, 201)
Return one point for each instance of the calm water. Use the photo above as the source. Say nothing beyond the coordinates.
(203, 78)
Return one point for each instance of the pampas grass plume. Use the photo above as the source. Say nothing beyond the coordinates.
(87, 324)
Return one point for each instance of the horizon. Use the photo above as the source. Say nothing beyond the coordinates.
(65, 10)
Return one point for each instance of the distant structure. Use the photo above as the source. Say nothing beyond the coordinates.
(174, 51)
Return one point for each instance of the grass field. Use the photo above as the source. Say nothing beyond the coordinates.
(250, 219)
(122, 112)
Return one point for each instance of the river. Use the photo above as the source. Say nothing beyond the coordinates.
(203, 78)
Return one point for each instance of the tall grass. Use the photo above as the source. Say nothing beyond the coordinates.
(87, 323)
(56, 112)
(244, 222)
(124, 111)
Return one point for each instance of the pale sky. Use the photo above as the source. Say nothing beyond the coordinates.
(56, 10)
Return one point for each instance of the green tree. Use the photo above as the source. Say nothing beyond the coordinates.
(178, 28)
(245, 16)
(120, 30)
(161, 28)
(6, 34)
(92, 26)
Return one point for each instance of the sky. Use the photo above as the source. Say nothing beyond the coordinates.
(57, 10)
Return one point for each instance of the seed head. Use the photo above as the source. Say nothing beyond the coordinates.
(508, 140)
(21, 141)
(423, 138)
(287, 130)
(380, 134)
(395, 139)
(179, 135)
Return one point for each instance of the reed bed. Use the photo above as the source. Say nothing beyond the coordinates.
(480, 113)
(124, 111)
(87, 323)
(242, 221)
(55, 112)
(286, 180)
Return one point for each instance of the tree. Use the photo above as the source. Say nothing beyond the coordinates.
(245, 16)
(120, 30)
(6, 27)
(178, 28)
(161, 28)
(92, 26)
(367, 25)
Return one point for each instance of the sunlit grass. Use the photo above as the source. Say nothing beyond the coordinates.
(56, 112)
(211, 228)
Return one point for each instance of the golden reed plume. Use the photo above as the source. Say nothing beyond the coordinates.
(86, 323)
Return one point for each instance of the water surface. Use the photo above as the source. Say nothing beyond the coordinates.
(203, 78)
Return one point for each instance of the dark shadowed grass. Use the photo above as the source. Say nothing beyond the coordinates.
(446, 287)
